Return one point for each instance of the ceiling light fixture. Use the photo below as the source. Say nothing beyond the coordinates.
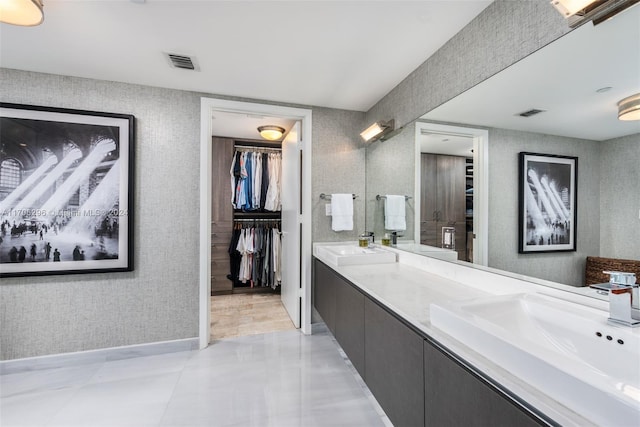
(377, 131)
(579, 12)
(271, 132)
(629, 108)
(26, 13)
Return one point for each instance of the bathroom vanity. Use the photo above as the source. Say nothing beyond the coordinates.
(403, 326)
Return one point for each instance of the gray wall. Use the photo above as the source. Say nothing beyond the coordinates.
(505, 32)
(396, 158)
(338, 167)
(159, 300)
(391, 170)
(562, 267)
(620, 198)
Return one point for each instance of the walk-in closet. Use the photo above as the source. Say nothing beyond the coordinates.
(247, 236)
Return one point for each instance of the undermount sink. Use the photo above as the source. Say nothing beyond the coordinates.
(354, 255)
(566, 350)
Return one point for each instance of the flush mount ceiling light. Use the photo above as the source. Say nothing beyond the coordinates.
(377, 131)
(271, 132)
(26, 13)
(629, 108)
(579, 12)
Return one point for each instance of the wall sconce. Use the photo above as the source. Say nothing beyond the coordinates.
(579, 12)
(271, 132)
(26, 13)
(377, 131)
(629, 108)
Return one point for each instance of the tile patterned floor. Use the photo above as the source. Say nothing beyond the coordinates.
(247, 314)
(277, 379)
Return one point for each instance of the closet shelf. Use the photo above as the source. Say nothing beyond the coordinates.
(257, 215)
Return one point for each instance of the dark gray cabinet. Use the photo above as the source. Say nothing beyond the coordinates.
(455, 397)
(350, 320)
(341, 306)
(394, 366)
(414, 381)
(324, 294)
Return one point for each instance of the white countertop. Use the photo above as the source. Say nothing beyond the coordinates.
(409, 286)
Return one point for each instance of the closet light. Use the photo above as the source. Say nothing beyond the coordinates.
(271, 132)
(629, 108)
(26, 13)
(377, 131)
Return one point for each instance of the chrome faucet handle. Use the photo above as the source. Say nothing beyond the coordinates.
(621, 278)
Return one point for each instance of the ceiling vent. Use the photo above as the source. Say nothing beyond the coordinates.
(530, 113)
(182, 61)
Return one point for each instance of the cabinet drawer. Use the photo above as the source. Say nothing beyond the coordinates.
(219, 252)
(221, 237)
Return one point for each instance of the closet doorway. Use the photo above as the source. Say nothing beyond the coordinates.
(437, 149)
(228, 128)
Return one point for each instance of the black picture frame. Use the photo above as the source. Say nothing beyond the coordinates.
(66, 191)
(548, 202)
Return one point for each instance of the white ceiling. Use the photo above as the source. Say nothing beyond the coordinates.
(454, 145)
(561, 79)
(339, 54)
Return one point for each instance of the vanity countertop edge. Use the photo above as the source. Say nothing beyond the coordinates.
(408, 287)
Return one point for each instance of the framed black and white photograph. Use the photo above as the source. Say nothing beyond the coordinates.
(66, 191)
(548, 203)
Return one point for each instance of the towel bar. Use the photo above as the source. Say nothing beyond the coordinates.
(328, 196)
(379, 197)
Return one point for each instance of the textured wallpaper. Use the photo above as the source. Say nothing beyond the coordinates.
(391, 170)
(338, 167)
(159, 300)
(620, 198)
(562, 267)
(505, 32)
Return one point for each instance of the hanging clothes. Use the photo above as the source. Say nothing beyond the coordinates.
(254, 253)
(255, 180)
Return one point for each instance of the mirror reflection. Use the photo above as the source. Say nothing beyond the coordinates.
(561, 100)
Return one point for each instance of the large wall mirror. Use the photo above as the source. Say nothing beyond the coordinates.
(576, 83)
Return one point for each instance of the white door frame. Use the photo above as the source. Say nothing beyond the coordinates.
(480, 183)
(207, 107)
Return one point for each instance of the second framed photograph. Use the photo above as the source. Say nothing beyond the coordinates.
(548, 187)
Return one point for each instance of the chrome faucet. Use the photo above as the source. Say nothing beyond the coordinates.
(624, 299)
(371, 236)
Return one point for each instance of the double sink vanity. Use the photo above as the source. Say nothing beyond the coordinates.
(442, 343)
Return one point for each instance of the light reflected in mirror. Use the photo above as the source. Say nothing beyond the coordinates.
(576, 82)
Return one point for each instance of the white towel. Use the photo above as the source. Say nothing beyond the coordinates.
(342, 212)
(394, 213)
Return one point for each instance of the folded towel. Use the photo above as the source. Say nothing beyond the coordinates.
(342, 212)
(394, 213)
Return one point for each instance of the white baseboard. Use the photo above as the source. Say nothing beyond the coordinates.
(96, 356)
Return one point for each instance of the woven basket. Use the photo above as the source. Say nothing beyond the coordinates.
(596, 265)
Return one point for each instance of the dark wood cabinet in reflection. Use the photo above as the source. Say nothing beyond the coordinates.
(443, 200)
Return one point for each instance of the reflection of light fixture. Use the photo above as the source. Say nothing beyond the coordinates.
(21, 12)
(629, 108)
(570, 7)
(377, 131)
(578, 12)
(271, 132)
